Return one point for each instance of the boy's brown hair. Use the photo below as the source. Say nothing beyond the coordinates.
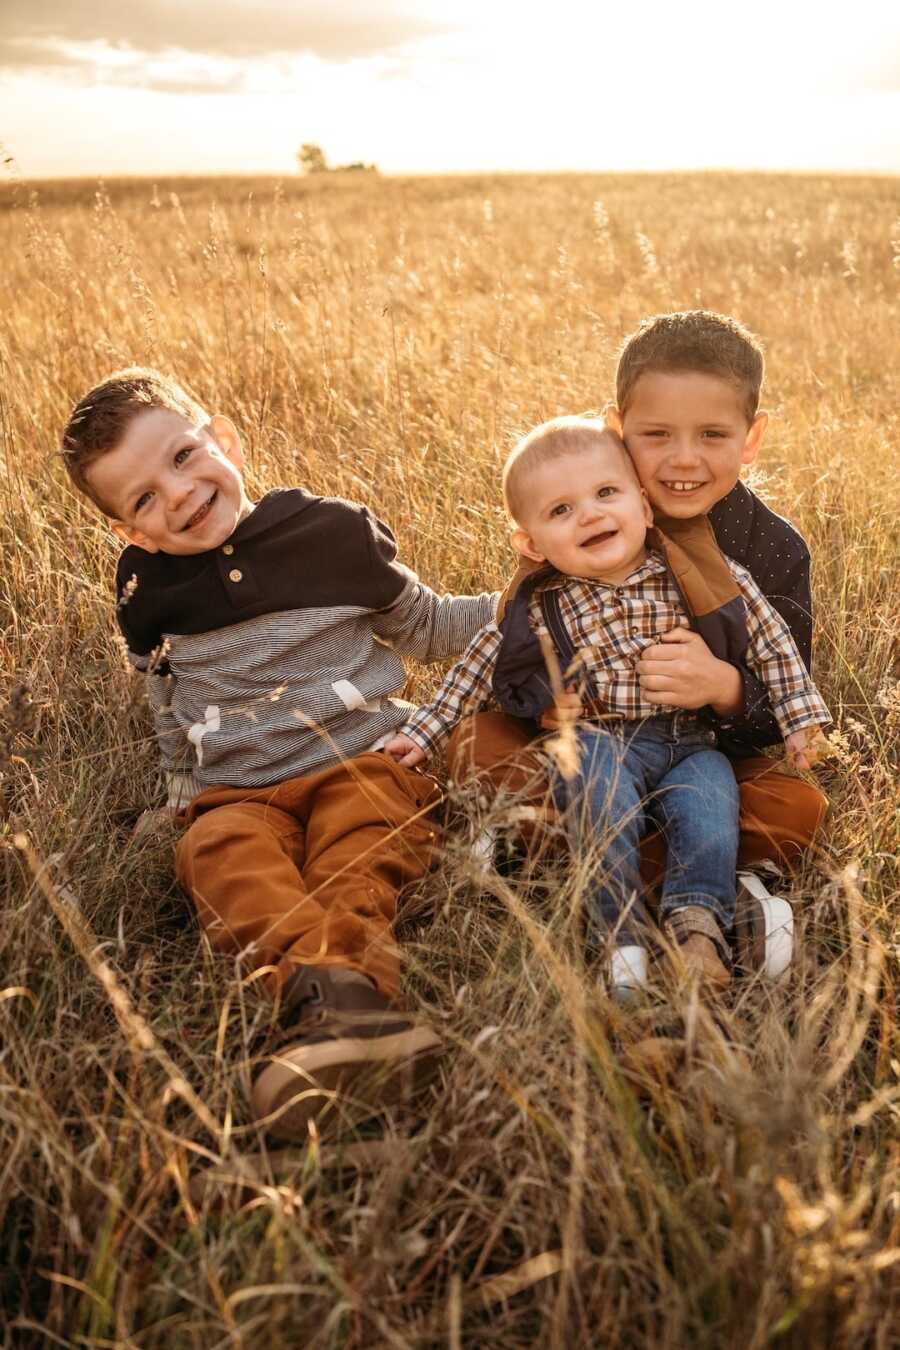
(693, 340)
(98, 421)
(551, 440)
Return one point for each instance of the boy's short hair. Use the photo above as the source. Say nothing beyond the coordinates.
(98, 421)
(692, 340)
(551, 440)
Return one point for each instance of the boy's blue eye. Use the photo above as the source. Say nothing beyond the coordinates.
(559, 509)
(183, 453)
(606, 491)
(142, 501)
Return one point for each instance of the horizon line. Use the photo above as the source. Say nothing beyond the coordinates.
(15, 175)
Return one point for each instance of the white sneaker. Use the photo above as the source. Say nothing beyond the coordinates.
(763, 929)
(627, 975)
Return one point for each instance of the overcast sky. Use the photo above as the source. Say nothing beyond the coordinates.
(418, 86)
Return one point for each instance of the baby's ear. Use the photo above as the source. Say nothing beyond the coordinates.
(648, 509)
(129, 535)
(522, 542)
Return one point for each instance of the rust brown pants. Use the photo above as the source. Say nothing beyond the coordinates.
(779, 814)
(309, 871)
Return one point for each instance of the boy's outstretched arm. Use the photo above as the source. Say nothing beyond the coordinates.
(147, 654)
(406, 614)
(179, 781)
(433, 627)
(173, 744)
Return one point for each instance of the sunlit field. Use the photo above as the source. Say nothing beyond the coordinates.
(386, 340)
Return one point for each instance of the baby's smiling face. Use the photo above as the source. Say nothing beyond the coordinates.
(585, 513)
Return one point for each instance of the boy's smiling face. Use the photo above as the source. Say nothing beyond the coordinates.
(585, 514)
(688, 435)
(173, 487)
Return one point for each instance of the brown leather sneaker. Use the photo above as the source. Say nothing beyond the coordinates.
(698, 947)
(699, 959)
(348, 1053)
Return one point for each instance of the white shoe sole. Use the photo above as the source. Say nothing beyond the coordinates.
(779, 927)
(627, 975)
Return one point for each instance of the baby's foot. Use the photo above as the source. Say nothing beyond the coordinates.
(699, 960)
(698, 947)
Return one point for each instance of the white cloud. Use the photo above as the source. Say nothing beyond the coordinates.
(46, 33)
(513, 86)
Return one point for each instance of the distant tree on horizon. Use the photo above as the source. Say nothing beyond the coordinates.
(311, 159)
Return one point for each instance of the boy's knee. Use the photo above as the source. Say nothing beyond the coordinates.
(780, 817)
(213, 831)
(197, 838)
(796, 807)
(808, 807)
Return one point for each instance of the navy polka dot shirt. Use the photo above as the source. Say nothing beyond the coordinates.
(776, 556)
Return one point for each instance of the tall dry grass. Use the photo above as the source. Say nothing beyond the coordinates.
(385, 340)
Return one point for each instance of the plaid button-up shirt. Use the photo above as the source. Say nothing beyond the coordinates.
(610, 627)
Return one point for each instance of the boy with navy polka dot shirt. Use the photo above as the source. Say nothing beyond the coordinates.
(687, 406)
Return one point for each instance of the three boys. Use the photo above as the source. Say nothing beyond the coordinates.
(262, 659)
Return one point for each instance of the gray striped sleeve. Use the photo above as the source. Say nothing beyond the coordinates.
(430, 627)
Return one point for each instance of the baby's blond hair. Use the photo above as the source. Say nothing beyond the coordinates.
(551, 440)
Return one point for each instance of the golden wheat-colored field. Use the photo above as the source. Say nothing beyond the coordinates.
(386, 340)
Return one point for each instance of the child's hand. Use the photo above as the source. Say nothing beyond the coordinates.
(680, 671)
(565, 709)
(404, 751)
(806, 747)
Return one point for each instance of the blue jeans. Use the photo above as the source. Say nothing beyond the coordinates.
(661, 771)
